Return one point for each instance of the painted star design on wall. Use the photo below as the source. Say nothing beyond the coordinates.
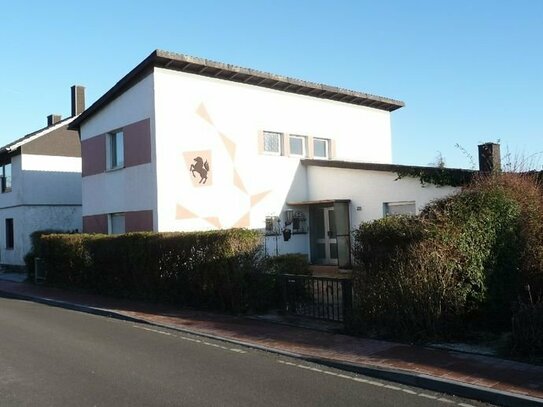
(244, 221)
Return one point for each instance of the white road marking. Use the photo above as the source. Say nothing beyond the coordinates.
(154, 330)
(428, 396)
(304, 367)
(373, 383)
(409, 391)
(190, 339)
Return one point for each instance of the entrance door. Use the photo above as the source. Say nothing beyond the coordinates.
(326, 236)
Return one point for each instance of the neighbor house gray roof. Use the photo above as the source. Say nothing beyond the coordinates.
(14, 145)
(205, 67)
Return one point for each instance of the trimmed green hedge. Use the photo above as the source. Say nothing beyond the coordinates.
(35, 239)
(204, 269)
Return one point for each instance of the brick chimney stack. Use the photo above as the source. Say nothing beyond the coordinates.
(78, 99)
(489, 157)
(53, 119)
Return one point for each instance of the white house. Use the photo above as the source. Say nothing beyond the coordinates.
(184, 144)
(41, 183)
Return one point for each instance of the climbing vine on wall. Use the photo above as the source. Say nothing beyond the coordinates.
(439, 176)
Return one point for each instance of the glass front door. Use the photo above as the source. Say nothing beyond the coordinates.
(326, 231)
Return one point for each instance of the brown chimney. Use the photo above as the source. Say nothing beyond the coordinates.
(489, 157)
(53, 119)
(78, 99)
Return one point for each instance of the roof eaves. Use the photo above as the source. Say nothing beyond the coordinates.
(134, 76)
(205, 67)
(235, 73)
(356, 165)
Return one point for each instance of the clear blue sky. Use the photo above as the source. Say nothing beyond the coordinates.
(470, 71)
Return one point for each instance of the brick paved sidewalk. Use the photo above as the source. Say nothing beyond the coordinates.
(482, 371)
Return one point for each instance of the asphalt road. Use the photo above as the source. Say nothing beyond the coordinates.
(55, 357)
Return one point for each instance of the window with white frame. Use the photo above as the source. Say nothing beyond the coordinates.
(115, 149)
(6, 177)
(297, 145)
(273, 142)
(116, 224)
(399, 208)
(321, 148)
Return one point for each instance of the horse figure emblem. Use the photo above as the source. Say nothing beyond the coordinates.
(201, 167)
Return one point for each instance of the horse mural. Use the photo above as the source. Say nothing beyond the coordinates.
(201, 167)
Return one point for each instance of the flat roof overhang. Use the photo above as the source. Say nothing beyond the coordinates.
(218, 70)
(319, 202)
(206, 67)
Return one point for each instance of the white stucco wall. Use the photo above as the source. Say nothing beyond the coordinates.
(46, 194)
(369, 190)
(27, 219)
(128, 189)
(132, 188)
(223, 118)
(131, 106)
(50, 180)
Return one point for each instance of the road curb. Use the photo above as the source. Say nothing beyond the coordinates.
(419, 380)
(71, 306)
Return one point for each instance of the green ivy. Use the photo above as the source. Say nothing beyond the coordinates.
(437, 175)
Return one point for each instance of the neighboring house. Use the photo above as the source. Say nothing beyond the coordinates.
(184, 144)
(41, 183)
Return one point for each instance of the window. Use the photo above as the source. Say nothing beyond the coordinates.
(273, 143)
(116, 224)
(9, 233)
(321, 148)
(116, 150)
(297, 146)
(6, 177)
(400, 208)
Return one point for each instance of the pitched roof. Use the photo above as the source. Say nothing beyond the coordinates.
(205, 67)
(14, 145)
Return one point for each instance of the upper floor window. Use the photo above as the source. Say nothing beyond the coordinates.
(115, 149)
(6, 177)
(321, 148)
(273, 143)
(297, 145)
